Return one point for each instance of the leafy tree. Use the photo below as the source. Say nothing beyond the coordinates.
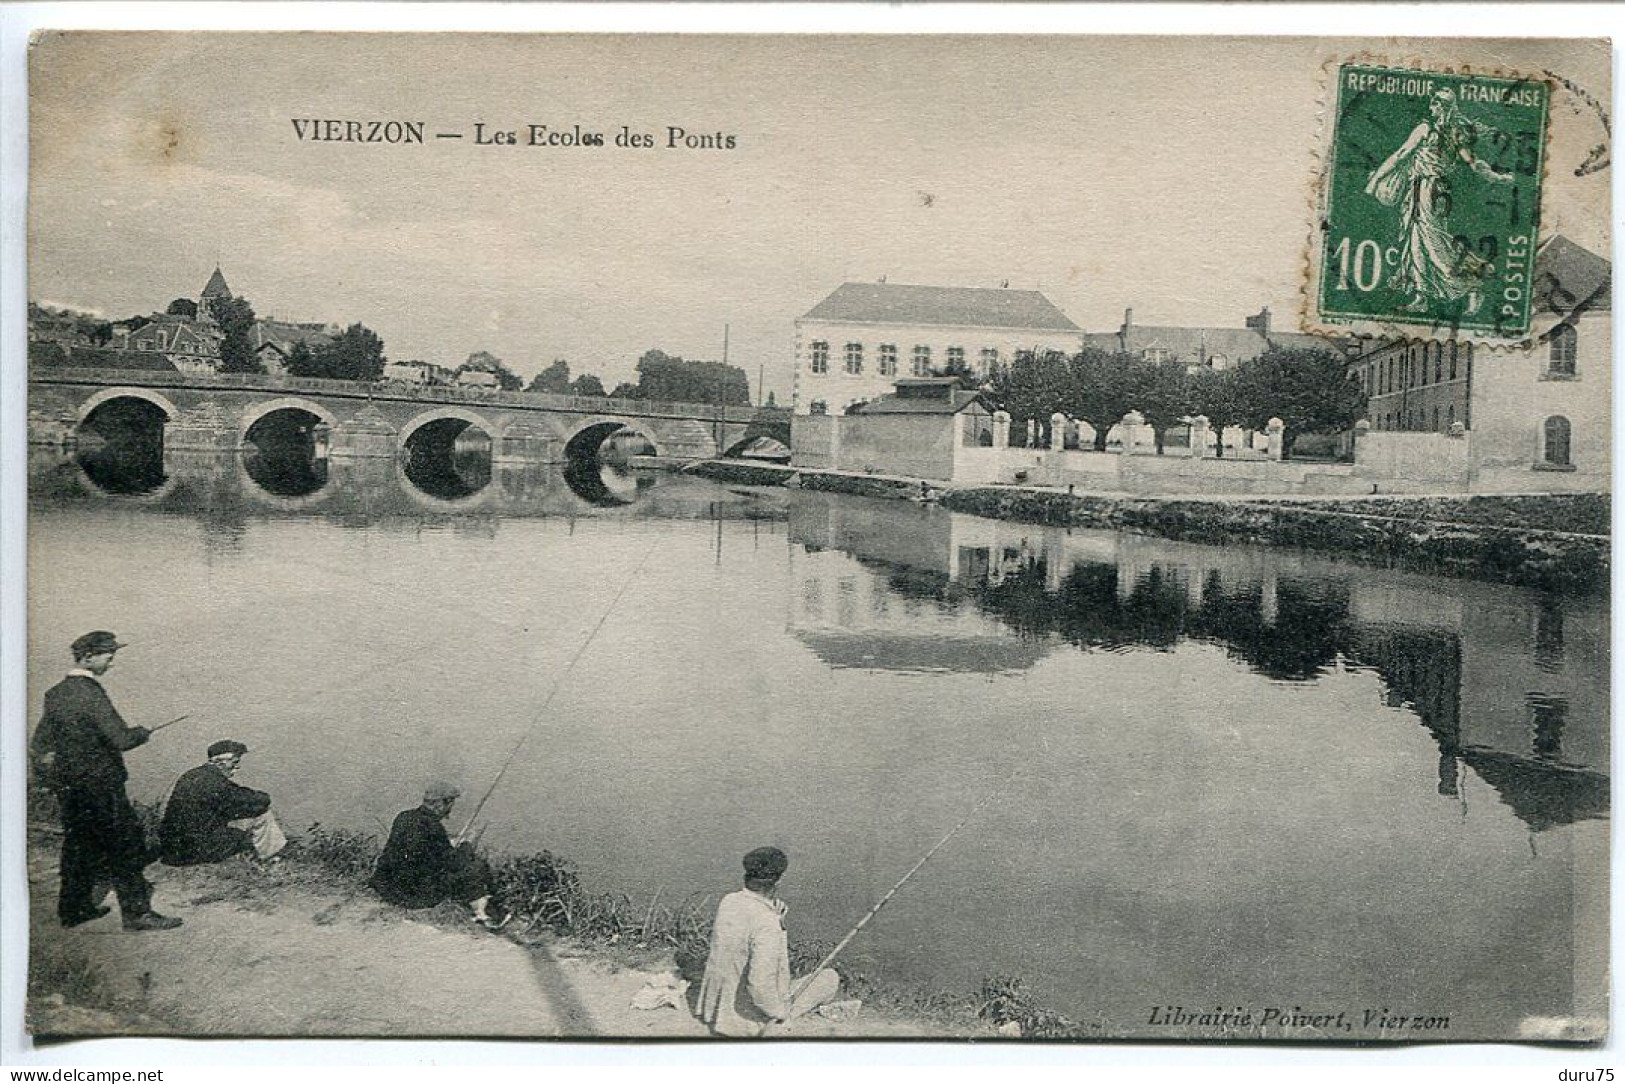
(356, 353)
(1105, 386)
(1310, 390)
(588, 385)
(625, 390)
(555, 379)
(1162, 395)
(236, 319)
(183, 306)
(668, 377)
(1216, 394)
(1034, 386)
(300, 361)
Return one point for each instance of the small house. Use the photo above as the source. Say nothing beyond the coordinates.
(922, 429)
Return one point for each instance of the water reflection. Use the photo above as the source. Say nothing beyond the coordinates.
(285, 472)
(605, 484)
(1218, 760)
(1488, 671)
(449, 475)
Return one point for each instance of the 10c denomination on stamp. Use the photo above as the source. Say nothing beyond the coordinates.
(1431, 203)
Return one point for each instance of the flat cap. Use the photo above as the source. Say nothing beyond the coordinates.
(440, 789)
(221, 748)
(766, 864)
(100, 642)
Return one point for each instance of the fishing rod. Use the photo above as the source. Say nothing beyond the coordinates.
(172, 722)
(801, 984)
(557, 685)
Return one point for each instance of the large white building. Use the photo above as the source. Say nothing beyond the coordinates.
(854, 345)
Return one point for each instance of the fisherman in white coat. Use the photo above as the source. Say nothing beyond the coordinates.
(747, 975)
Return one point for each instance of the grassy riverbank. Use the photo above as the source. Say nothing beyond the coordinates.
(597, 947)
(1551, 541)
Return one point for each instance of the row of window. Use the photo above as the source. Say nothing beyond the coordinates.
(1429, 363)
(1434, 363)
(1416, 420)
(920, 362)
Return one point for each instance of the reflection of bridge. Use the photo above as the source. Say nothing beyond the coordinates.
(349, 419)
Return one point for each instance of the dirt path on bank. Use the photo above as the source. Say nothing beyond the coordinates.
(272, 953)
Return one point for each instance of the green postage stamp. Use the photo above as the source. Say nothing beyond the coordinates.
(1431, 203)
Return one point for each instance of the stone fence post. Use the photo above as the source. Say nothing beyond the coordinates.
(1199, 436)
(1057, 432)
(1133, 422)
(1276, 431)
(1001, 429)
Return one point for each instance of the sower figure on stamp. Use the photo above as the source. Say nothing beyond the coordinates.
(420, 867)
(79, 749)
(1433, 263)
(209, 818)
(747, 975)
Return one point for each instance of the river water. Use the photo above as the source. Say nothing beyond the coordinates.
(1221, 777)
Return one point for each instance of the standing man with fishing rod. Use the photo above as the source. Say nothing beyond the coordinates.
(79, 749)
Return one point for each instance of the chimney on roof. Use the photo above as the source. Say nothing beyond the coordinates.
(1128, 320)
(1261, 322)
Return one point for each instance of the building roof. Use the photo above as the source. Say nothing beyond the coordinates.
(1204, 343)
(952, 403)
(216, 286)
(1569, 277)
(947, 306)
(283, 334)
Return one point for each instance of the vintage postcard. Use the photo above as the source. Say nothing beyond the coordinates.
(770, 538)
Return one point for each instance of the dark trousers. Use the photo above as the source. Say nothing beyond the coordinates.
(469, 878)
(102, 844)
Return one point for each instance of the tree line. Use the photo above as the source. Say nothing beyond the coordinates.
(1310, 390)
(357, 353)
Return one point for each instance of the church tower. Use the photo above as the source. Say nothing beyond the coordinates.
(215, 287)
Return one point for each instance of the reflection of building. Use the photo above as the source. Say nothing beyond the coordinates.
(1201, 347)
(876, 592)
(1511, 684)
(853, 345)
(1538, 415)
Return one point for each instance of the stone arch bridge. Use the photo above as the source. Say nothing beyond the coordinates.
(223, 412)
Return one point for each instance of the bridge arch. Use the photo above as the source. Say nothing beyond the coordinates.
(444, 413)
(587, 434)
(254, 413)
(107, 395)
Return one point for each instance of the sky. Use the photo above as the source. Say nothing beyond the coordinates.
(1175, 176)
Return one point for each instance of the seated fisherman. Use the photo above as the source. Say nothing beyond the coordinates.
(747, 976)
(420, 867)
(208, 818)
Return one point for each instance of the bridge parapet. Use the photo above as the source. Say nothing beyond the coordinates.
(352, 389)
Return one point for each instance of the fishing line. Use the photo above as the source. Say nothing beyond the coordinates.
(558, 683)
(801, 984)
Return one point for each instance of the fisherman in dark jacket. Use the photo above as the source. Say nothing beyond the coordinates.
(209, 818)
(79, 751)
(420, 867)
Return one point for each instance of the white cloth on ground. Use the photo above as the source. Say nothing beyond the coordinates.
(265, 833)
